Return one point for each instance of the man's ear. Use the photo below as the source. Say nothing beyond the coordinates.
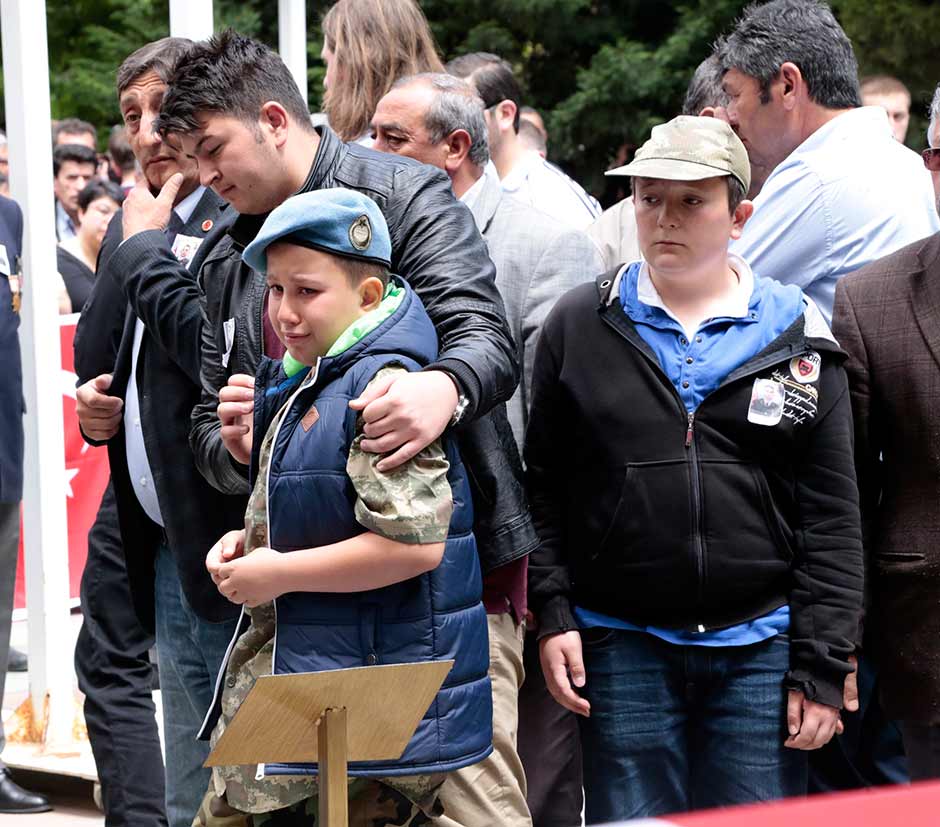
(274, 121)
(742, 213)
(371, 293)
(458, 148)
(792, 85)
(505, 112)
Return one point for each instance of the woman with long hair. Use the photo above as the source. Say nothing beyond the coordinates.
(367, 46)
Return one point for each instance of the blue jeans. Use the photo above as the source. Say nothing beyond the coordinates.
(190, 652)
(676, 728)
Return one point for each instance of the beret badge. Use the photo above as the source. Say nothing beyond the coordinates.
(360, 233)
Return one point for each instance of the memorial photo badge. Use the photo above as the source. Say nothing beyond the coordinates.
(767, 397)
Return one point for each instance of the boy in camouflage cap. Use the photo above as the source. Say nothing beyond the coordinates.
(690, 471)
(341, 564)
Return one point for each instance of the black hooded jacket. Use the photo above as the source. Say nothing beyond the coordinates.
(694, 521)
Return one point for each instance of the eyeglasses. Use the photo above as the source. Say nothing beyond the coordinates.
(931, 159)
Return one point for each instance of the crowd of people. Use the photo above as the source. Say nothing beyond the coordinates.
(660, 480)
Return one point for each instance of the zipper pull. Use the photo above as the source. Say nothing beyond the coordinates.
(688, 433)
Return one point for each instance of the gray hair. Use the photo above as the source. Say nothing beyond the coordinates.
(705, 88)
(803, 32)
(456, 105)
(934, 115)
(158, 56)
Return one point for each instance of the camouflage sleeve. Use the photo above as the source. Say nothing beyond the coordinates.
(412, 503)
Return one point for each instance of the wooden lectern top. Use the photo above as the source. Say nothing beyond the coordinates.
(278, 721)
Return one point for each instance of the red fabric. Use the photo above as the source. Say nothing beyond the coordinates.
(915, 806)
(505, 589)
(86, 476)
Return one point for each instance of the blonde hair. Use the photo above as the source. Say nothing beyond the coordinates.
(374, 42)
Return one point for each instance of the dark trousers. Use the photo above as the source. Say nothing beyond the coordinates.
(9, 545)
(922, 742)
(115, 673)
(869, 753)
(549, 744)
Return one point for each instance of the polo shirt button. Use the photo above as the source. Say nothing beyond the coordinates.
(682, 341)
(689, 360)
(698, 339)
(685, 384)
(230, 681)
(371, 659)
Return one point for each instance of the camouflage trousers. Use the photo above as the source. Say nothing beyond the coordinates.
(371, 804)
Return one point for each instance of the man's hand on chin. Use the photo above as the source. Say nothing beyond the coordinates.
(142, 211)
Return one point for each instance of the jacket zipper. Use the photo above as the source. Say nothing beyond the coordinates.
(310, 380)
(694, 476)
(695, 483)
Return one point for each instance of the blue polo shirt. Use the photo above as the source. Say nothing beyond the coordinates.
(697, 362)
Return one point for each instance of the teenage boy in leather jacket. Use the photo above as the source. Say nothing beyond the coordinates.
(699, 580)
(235, 107)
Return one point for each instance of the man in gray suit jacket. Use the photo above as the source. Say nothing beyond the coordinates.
(438, 119)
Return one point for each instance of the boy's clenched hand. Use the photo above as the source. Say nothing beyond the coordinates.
(236, 413)
(254, 579)
(231, 545)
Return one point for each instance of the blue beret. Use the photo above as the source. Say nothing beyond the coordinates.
(338, 221)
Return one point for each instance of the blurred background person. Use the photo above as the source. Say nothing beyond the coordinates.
(74, 131)
(892, 96)
(532, 115)
(77, 257)
(522, 171)
(73, 166)
(123, 164)
(532, 130)
(531, 137)
(367, 46)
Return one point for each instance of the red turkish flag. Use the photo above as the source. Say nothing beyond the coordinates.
(86, 475)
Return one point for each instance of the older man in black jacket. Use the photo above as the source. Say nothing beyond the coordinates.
(168, 515)
(237, 110)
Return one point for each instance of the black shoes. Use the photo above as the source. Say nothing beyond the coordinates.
(17, 661)
(14, 799)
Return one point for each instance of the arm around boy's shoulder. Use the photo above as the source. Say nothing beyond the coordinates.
(412, 503)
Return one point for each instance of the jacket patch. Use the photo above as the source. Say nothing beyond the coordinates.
(805, 367)
(801, 400)
(767, 402)
(310, 418)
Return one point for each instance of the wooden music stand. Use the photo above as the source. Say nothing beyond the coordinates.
(330, 718)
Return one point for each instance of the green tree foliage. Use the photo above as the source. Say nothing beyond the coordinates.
(602, 72)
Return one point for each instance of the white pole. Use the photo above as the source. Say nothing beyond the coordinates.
(26, 91)
(191, 18)
(292, 39)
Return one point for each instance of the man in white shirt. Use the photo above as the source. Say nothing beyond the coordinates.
(842, 192)
(523, 172)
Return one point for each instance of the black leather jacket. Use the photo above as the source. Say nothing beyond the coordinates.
(436, 247)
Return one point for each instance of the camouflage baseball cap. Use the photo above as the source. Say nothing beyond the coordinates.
(689, 149)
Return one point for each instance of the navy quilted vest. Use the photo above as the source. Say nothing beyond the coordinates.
(436, 616)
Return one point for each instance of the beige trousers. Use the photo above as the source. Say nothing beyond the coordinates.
(492, 792)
